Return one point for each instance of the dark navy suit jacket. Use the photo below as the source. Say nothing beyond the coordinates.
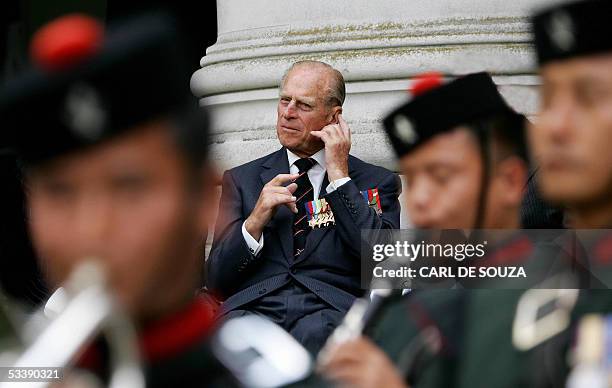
(330, 264)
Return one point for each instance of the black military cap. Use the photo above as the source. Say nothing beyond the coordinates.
(87, 85)
(443, 108)
(574, 29)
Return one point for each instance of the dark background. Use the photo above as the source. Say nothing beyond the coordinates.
(20, 275)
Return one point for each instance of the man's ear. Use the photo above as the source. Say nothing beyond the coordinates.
(513, 172)
(336, 110)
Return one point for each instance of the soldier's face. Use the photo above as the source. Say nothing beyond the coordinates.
(302, 109)
(572, 136)
(442, 181)
(126, 203)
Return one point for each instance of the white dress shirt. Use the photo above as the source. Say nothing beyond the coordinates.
(315, 174)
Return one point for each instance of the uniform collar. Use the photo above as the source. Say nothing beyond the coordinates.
(161, 340)
(174, 334)
(319, 157)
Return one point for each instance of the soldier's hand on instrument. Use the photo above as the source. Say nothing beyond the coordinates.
(360, 363)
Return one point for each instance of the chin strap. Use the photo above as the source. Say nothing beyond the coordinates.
(482, 134)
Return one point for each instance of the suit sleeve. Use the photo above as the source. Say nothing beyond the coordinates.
(230, 255)
(352, 213)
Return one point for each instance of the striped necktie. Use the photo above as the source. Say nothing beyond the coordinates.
(304, 194)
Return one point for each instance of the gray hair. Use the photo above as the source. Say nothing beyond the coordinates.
(336, 92)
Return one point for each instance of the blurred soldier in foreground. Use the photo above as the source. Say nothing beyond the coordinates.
(114, 155)
(573, 133)
(540, 337)
(462, 151)
(572, 137)
(543, 333)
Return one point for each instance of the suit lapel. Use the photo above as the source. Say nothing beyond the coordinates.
(322, 191)
(312, 242)
(282, 221)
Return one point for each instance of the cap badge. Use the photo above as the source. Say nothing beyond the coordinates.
(84, 113)
(404, 130)
(561, 30)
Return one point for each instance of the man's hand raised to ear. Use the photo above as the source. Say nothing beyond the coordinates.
(337, 139)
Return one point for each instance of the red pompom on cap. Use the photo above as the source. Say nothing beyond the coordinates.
(66, 41)
(425, 82)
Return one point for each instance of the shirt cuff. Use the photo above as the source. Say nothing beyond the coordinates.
(254, 246)
(335, 184)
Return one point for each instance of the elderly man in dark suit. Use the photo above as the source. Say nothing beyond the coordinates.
(287, 241)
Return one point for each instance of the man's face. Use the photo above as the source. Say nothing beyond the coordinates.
(443, 178)
(126, 203)
(573, 134)
(302, 109)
